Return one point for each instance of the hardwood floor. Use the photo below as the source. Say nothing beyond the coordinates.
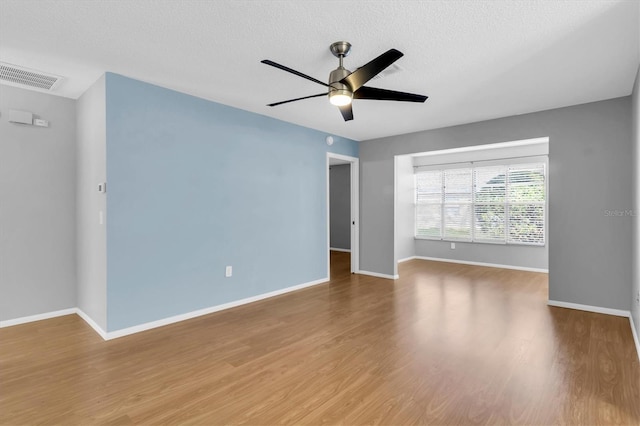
(445, 344)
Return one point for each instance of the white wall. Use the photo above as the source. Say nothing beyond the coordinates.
(91, 240)
(37, 205)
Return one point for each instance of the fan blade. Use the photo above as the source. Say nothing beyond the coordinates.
(347, 112)
(297, 99)
(287, 69)
(359, 77)
(387, 95)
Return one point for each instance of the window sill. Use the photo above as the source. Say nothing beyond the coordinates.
(493, 243)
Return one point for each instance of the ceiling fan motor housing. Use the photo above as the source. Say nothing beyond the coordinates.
(337, 88)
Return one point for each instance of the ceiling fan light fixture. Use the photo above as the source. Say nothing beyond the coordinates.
(340, 97)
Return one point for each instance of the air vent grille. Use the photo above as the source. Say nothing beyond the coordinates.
(20, 76)
(391, 69)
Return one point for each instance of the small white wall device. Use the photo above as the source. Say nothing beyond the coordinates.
(102, 187)
(20, 117)
(25, 117)
(329, 140)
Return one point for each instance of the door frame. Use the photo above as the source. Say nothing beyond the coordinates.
(355, 211)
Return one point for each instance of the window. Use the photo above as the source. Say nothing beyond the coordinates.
(491, 204)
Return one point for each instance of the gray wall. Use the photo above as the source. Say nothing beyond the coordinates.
(405, 211)
(590, 163)
(37, 205)
(635, 287)
(340, 206)
(91, 235)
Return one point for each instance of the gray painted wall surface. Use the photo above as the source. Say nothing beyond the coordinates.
(635, 287)
(91, 235)
(590, 163)
(497, 254)
(37, 205)
(340, 206)
(405, 211)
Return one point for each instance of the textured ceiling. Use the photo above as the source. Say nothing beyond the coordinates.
(475, 59)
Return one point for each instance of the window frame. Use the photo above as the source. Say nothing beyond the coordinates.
(506, 164)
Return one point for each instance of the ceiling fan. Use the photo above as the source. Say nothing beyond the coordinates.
(344, 85)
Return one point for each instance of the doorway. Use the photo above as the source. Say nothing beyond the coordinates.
(350, 230)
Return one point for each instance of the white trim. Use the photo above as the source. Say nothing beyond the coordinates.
(635, 336)
(182, 317)
(340, 249)
(37, 317)
(379, 275)
(355, 215)
(91, 323)
(342, 157)
(483, 147)
(490, 265)
(589, 308)
(406, 259)
(395, 214)
(354, 164)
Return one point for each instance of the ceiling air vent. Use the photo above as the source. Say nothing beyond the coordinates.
(15, 75)
(391, 69)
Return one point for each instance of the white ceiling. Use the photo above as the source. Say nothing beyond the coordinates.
(475, 59)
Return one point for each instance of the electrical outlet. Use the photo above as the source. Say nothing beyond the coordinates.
(453, 246)
(228, 271)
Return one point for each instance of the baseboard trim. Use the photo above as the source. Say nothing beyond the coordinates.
(490, 265)
(340, 249)
(92, 323)
(37, 317)
(589, 308)
(635, 336)
(406, 259)
(189, 315)
(378, 275)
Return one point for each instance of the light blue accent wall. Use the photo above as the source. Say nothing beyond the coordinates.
(194, 186)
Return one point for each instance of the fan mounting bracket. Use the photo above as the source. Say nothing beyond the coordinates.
(340, 49)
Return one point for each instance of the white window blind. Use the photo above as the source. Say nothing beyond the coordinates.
(458, 199)
(492, 204)
(526, 195)
(429, 204)
(489, 191)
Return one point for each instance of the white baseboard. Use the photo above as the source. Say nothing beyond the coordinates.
(38, 317)
(182, 317)
(635, 336)
(92, 323)
(600, 310)
(379, 275)
(406, 259)
(490, 265)
(589, 308)
(154, 324)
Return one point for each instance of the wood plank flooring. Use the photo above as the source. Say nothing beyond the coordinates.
(445, 344)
